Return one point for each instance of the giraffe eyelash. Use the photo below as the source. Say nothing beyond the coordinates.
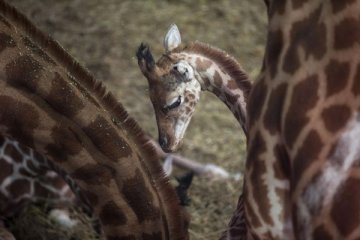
(172, 105)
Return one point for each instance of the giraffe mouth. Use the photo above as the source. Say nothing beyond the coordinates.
(169, 145)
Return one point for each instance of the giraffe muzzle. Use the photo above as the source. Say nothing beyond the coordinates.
(163, 143)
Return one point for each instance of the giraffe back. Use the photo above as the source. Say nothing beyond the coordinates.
(50, 103)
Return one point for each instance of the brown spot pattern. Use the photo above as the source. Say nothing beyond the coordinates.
(90, 197)
(310, 34)
(20, 118)
(337, 74)
(34, 168)
(231, 99)
(338, 6)
(296, 117)
(346, 209)
(347, 33)
(66, 143)
(206, 81)
(256, 101)
(241, 118)
(129, 237)
(277, 7)
(202, 65)
(10, 150)
(231, 84)
(191, 96)
(282, 167)
(19, 187)
(307, 154)
(24, 172)
(94, 174)
(6, 169)
(298, 3)
(250, 214)
(256, 148)
(54, 180)
(106, 138)
(272, 117)
(24, 72)
(274, 48)
(139, 198)
(111, 214)
(356, 82)
(63, 98)
(217, 79)
(39, 158)
(43, 192)
(6, 41)
(321, 233)
(153, 236)
(335, 117)
(37, 51)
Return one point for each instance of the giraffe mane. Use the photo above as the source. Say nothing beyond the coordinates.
(223, 59)
(98, 91)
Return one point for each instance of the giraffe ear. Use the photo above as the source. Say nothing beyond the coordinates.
(172, 38)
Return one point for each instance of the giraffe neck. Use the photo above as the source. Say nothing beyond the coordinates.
(51, 104)
(222, 75)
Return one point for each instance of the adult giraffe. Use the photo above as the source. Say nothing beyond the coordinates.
(51, 104)
(302, 172)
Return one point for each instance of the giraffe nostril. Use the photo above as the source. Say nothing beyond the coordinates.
(163, 142)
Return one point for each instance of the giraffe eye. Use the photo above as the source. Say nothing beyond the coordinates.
(172, 105)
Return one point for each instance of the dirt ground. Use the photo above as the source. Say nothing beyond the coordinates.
(104, 36)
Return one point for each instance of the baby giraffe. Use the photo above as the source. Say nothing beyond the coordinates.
(178, 77)
(175, 83)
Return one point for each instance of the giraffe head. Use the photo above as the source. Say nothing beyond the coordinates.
(173, 87)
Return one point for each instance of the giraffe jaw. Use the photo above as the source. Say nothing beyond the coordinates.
(171, 138)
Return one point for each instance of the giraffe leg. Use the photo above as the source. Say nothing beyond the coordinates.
(171, 159)
(266, 195)
(209, 169)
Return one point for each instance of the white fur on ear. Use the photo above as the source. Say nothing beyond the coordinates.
(172, 38)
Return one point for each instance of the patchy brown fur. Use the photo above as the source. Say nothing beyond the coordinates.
(223, 59)
(96, 93)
